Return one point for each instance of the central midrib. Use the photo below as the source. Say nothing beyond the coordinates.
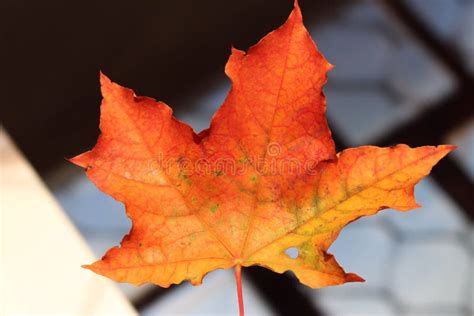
(252, 215)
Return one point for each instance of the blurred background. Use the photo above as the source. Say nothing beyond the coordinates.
(404, 74)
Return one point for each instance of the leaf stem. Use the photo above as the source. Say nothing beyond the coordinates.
(238, 281)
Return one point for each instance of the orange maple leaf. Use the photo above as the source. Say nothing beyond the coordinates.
(263, 178)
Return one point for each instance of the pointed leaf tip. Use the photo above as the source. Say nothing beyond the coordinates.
(104, 80)
(81, 160)
(297, 10)
(86, 266)
(352, 277)
(296, 5)
(449, 147)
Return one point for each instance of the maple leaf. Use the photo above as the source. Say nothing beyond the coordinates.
(265, 177)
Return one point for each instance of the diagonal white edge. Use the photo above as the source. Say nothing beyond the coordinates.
(42, 252)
